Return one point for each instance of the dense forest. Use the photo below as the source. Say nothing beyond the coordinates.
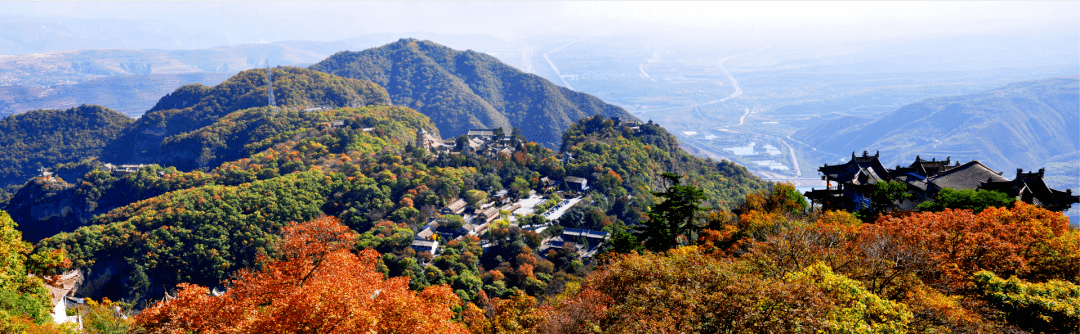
(47, 207)
(632, 157)
(195, 106)
(462, 90)
(43, 138)
(376, 181)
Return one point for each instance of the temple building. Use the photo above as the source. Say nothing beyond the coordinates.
(1030, 188)
(426, 140)
(849, 185)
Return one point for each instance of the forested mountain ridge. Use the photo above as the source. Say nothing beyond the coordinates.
(190, 209)
(43, 138)
(638, 155)
(250, 131)
(1022, 125)
(460, 90)
(194, 106)
(367, 172)
(46, 208)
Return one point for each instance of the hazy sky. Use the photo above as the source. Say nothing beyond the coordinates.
(199, 23)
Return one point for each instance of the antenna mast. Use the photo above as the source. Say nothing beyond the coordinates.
(270, 85)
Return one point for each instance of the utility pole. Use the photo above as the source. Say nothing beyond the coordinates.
(270, 85)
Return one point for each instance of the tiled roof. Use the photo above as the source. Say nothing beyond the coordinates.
(476, 142)
(866, 169)
(931, 167)
(967, 176)
(489, 212)
(425, 245)
(482, 132)
(457, 205)
(67, 283)
(574, 179)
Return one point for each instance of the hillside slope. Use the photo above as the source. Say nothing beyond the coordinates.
(461, 90)
(372, 179)
(639, 156)
(42, 138)
(1021, 125)
(194, 106)
(46, 207)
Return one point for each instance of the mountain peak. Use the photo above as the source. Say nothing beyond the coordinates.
(462, 90)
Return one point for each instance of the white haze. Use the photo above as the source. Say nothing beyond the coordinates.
(193, 25)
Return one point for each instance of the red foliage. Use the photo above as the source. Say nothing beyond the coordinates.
(1027, 241)
(318, 285)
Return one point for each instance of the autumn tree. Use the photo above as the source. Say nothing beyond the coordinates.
(475, 197)
(762, 214)
(516, 314)
(24, 301)
(1026, 241)
(318, 285)
(827, 240)
(1050, 307)
(783, 198)
(104, 316)
(686, 291)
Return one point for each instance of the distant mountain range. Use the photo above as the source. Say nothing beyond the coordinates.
(1021, 125)
(42, 66)
(457, 90)
(131, 95)
(462, 90)
(71, 65)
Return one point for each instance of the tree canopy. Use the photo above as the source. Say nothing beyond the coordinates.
(317, 285)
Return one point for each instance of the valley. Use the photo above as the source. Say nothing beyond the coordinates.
(760, 97)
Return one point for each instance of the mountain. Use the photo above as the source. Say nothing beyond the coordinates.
(601, 148)
(131, 78)
(462, 90)
(194, 106)
(45, 207)
(366, 172)
(42, 138)
(75, 66)
(1020, 125)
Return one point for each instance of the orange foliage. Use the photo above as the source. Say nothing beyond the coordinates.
(1027, 241)
(686, 291)
(584, 312)
(318, 285)
(615, 175)
(935, 312)
(514, 315)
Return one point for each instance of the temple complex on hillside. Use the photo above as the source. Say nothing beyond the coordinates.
(849, 185)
